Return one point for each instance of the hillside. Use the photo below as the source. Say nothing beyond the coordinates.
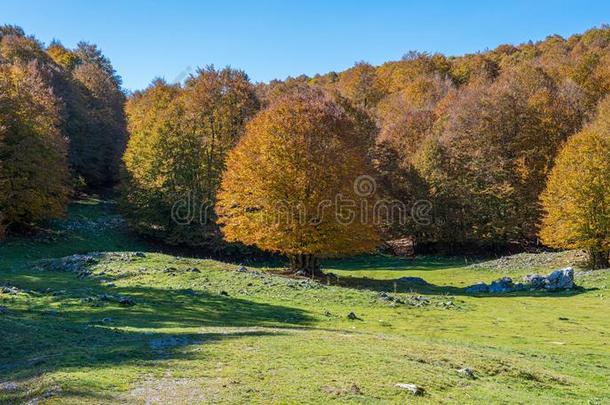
(133, 325)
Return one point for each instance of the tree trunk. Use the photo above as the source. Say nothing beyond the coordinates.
(305, 264)
(599, 260)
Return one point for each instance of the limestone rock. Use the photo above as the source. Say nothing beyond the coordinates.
(413, 388)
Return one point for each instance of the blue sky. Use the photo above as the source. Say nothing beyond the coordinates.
(275, 39)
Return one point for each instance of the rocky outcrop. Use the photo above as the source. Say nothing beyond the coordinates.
(562, 279)
(559, 280)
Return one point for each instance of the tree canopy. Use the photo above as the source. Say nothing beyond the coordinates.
(282, 182)
(577, 195)
(179, 139)
(61, 122)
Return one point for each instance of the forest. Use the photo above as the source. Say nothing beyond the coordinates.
(494, 141)
(434, 229)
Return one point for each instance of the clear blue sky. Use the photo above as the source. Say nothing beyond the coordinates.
(275, 39)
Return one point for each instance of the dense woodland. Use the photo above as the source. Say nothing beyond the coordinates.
(510, 145)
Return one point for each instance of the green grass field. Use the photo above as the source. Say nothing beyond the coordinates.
(216, 334)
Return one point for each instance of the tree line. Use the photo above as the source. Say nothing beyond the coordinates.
(477, 136)
(62, 126)
(508, 146)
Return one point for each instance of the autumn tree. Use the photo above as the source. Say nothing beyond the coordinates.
(34, 182)
(97, 149)
(359, 84)
(289, 183)
(406, 120)
(176, 152)
(500, 140)
(577, 196)
(91, 107)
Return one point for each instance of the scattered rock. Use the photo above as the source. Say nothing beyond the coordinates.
(139, 254)
(524, 261)
(194, 270)
(467, 372)
(75, 263)
(390, 298)
(413, 280)
(106, 297)
(418, 301)
(126, 301)
(354, 389)
(107, 320)
(242, 269)
(479, 287)
(9, 387)
(9, 290)
(327, 313)
(413, 388)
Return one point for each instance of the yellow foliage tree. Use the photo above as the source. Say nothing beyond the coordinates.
(176, 152)
(34, 181)
(289, 183)
(577, 196)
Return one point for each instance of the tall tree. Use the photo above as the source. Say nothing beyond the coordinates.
(577, 196)
(288, 178)
(179, 140)
(359, 84)
(34, 182)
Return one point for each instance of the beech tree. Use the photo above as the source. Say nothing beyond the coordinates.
(577, 196)
(500, 140)
(177, 149)
(34, 181)
(284, 181)
(359, 84)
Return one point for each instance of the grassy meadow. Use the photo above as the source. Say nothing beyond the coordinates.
(196, 330)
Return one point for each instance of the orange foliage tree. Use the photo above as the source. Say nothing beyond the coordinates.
(34, 181)
(577, 196)
(289, 183)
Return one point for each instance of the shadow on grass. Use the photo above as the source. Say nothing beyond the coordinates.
(392, 263)
(391, 285)
(72, 328)
(373, 262)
